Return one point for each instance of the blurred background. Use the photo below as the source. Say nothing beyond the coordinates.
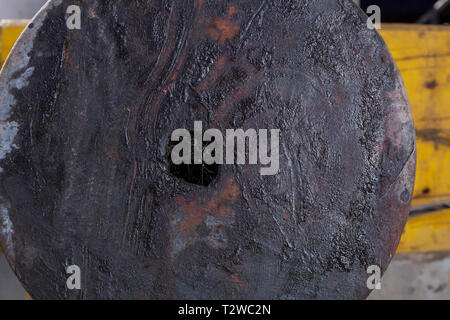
(418, 35)
(411, 11)
(19, 9)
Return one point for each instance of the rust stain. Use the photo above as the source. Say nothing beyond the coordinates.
(223, 29)
(218, 206)
(66, 56)
(235, 279)
(233, 10)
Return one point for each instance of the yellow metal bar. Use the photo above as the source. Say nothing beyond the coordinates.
(430, 232)
(422, 54)
(10, 30)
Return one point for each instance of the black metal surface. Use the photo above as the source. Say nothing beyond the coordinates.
(86, 120)
(406, 11)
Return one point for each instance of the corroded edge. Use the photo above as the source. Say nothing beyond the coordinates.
(18, 65)
(14, 75)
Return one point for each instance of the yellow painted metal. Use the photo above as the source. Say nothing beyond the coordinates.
(9, 32)
(430, 232)
(422, 54)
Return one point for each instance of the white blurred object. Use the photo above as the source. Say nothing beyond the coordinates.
(416, 276)
(20, 9)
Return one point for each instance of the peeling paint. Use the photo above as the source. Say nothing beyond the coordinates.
(6, 231)
(17, 61)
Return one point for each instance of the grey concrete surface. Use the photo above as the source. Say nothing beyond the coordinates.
(416, 276)
(19, 9)
(10, 288)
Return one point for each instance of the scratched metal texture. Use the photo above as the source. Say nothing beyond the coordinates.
(85, 121)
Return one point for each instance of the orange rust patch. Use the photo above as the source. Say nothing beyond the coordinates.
(233, 10)
(218, 206)
(223, 29)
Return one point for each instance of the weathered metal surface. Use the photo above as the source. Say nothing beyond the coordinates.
(85, 124)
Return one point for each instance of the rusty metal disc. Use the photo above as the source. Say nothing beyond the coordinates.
(87, 115)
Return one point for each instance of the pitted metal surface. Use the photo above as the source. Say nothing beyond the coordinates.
(85, 125)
